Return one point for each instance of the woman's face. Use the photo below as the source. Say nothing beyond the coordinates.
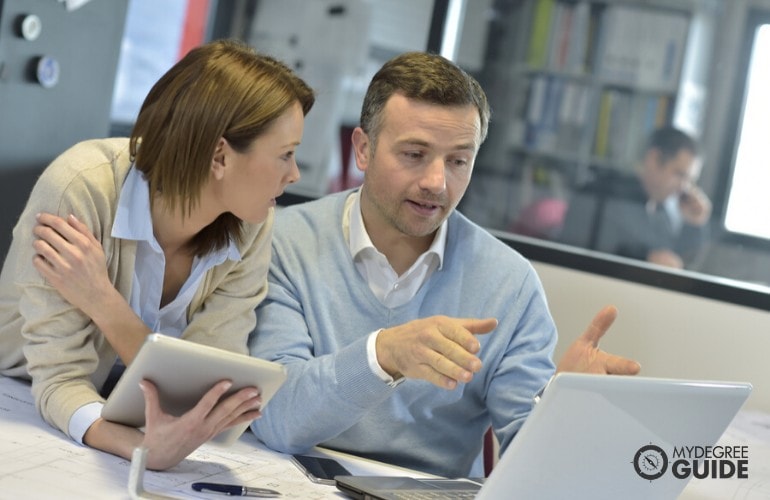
(251, 181)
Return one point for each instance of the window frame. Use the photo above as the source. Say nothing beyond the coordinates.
(754, 19)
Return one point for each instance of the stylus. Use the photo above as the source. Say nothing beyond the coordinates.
(235, 490)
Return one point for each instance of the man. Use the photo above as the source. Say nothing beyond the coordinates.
(362, 283)
(659, 216)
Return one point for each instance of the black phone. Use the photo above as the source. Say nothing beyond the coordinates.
(318, 469)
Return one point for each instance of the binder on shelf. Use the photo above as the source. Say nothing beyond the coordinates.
(541, 31)
(603, 124)
(536, 110)
(565, 137)
(620, 121)
(662, 49)
(593, 42)
(573, 116)
(550, 124)
(641, 47)
(559, 38)
(580, 39)
(545, 115)
(614, 127)
(618, 51)
(520, 96)
(600, 76)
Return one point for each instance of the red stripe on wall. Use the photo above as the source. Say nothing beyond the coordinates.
(194, 28)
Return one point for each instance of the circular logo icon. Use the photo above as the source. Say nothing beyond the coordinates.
(650, 462)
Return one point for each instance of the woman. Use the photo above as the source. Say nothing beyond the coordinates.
(167, 231)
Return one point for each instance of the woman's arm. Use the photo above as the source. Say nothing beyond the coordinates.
(73, 261)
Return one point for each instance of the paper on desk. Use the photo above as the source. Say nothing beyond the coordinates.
(40, 462)
(749, 428)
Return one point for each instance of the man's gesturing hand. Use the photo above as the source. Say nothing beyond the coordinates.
(438, 349)
(584, 355)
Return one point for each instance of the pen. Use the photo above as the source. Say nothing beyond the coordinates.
(235, 490)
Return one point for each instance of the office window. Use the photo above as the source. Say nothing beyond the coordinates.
(748, 203)
(156, 35)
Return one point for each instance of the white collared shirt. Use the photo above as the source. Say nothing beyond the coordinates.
(389, 288)
(133, 221)
(671, 208)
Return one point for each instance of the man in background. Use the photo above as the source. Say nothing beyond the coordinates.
(659, 215)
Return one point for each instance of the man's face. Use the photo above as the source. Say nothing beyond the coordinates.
(673, 176)
(420, 167)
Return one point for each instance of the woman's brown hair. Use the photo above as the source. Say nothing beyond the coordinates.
(220, 89)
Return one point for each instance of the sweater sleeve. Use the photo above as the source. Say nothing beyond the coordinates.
(66, 355)
(525, 364)
(323, 395)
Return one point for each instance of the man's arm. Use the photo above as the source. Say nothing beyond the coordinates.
(330, 384)
(324, 394)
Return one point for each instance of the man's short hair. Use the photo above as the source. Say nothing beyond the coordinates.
(425, 77)
(670, 141)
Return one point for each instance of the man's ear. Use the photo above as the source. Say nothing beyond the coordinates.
(218, 161)
(361, 148)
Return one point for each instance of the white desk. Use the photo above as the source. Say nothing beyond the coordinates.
(750, 428)
(37, 461)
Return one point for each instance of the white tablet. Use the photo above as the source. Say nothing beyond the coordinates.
(184, 371)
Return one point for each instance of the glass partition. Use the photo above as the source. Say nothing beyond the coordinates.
(578, 88)
(611, 127)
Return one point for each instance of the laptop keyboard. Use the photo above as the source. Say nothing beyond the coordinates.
(434, 495)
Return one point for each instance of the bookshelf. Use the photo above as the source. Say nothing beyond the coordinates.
(575, 86)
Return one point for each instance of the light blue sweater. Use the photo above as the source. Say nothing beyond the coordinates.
(319, 312)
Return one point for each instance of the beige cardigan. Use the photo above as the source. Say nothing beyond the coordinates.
(44, 338)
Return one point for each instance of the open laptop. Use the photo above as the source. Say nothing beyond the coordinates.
(183, 372)
(591, 436)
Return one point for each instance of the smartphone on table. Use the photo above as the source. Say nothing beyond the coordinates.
(318, 469)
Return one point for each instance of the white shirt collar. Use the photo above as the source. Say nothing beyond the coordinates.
(359, 240)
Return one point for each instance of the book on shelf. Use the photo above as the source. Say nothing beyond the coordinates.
(612, 131)
(560, 37)
(599, 77)
(518, 110)
(624, 123)
(540, 33)
(580, 39)
(538, 91)
(573, 117)
(603, 125)
(556, 114)
(641, 47)
(621, 118)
